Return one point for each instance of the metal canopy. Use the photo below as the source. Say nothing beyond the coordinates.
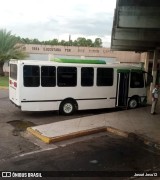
(136, 25)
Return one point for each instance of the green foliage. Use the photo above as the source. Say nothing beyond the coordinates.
(9, 47)
(81, 41)
(98, 42)
(4, 81)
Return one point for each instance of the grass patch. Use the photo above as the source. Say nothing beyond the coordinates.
(4, 81)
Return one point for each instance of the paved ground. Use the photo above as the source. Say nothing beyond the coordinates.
(13, 123)
(100, 154)
(138, 121)
(21, 151)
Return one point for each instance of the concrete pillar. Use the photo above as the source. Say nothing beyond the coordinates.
(146, 62)
(154, 68)
(146, 67)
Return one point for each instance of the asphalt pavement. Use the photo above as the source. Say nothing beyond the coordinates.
(20, 151)
(104, 156)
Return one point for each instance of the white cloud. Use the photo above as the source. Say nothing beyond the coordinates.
(48, 19)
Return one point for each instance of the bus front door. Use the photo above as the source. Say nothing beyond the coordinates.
(122, 89)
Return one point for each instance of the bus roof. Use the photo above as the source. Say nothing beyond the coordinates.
(79, 61)
(54, 63)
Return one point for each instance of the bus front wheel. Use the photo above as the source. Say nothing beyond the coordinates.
(67, 107)
(133, 103)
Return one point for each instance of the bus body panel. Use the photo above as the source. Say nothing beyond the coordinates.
(96, 104)
(13, 94)
(14, 86)
(39, 106)
(141, 92)
(49, 98)
(87, 98)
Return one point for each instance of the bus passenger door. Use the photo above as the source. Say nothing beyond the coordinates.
(122, 89)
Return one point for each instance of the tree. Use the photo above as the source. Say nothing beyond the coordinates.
(26, 40)
(98, 42)
(54, 42)
(81, 41)
(89, 42)
(75, 43)
(62, 42)
(9, 48)
(36, 41)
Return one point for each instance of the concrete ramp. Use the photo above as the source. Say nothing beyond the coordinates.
(68, 129)
(138, 122)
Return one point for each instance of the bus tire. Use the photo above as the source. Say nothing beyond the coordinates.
(133, 103)
(67, 107)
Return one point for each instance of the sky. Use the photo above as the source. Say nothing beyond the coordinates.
(49, 19)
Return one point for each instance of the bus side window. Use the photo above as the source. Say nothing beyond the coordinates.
(67, 76)
(137, 80)
(31, 76)
(13, 71)
(87, 76)
(48, 76)
(104, 76)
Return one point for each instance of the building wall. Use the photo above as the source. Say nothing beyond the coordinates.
(42, 52)
(121, 56)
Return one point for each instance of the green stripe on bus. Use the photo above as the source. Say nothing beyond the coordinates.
(123, 70)
(79, 61)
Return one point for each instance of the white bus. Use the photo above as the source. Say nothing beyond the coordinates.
(67, 87)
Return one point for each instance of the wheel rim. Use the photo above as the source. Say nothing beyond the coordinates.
(133, 103)
(68, 108)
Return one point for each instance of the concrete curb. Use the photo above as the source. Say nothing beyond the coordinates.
(38, 135)
(117, 132)
(49, 140)
(132, 136)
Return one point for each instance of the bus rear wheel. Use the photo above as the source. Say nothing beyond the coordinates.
(67, 107)
(133, 103)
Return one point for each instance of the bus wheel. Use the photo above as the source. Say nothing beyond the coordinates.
(133, 103)
(67, 107)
